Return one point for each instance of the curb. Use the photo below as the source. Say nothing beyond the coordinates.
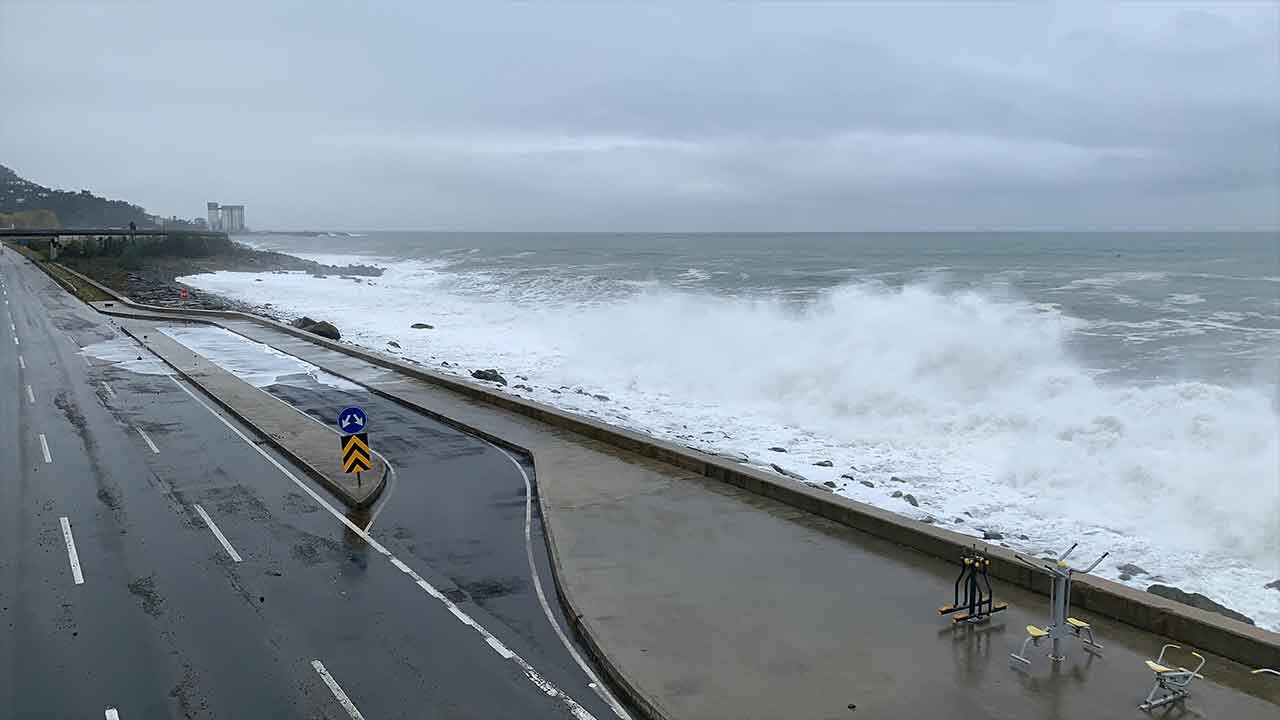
(1228, 638)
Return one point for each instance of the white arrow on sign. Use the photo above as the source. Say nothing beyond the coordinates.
(351, 419)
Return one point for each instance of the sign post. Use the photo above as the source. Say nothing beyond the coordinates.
(356, 456)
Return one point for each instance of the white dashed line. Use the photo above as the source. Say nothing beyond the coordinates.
(71, 551)
(147, 439)
(544, 685)
(107, 389)
(112, 714)
(22, 363)
(336, 689)
(217, 533)
(15, 340)
(44, 446)
(31, 397)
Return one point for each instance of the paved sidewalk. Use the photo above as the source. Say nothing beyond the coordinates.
(711, 602)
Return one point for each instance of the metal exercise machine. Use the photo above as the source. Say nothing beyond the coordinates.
(1061, 625)
(1172, 684)
(976, 603)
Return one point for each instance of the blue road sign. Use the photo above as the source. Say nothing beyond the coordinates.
(352, 420)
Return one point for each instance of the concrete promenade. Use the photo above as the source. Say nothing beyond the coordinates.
(704, 600)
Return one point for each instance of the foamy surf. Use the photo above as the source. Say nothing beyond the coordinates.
(971, 399)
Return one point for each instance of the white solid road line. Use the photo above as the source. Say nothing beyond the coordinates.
(549, 689)
(71, 551)
(147, 439)
(217, 533)
(595, 684)
(44, 446)
(112, 714)
(31, 397)
(336, 689)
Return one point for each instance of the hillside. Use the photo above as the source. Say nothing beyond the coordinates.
(70, 209)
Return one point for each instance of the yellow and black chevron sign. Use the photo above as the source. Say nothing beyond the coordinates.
(355, 453)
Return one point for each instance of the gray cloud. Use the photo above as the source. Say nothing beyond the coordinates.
(660, 117)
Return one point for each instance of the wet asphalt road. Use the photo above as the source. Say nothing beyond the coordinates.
(167, 624)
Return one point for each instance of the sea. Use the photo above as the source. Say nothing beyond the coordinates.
(1116, 390)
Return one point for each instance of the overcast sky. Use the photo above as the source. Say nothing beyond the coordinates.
(680, 116)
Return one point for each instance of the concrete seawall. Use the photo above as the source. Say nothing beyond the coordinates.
(1228, 638)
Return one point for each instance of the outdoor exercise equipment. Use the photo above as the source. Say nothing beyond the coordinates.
(1061, 625)
(975, 603)
(1172, 684)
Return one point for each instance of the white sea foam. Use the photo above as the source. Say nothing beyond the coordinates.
(693, 275)
(255, 363)
(970, 397)
(126, 354)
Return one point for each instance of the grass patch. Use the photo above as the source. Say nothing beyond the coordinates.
(78, 287)
(74, 285)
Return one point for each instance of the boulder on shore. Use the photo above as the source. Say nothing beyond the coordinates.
(1129, 570)
(324, 329)
(1197, 600)
(422, 326)
(393, 343)
(823, 463)
(777, 449)
(787, 473)
(303, 322)
(489, 375)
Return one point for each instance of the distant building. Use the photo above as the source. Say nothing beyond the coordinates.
(226, 218)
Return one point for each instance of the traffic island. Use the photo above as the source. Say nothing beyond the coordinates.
(304, 440)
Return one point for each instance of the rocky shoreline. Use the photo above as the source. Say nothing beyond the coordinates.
(153, 279)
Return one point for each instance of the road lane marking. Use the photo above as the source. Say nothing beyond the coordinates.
(336, 689)
(217, 533)
(107, 388)
(71, 551)
(22, 364)
(31, 397)
(549, 689)
(112, 714)
(147, 439)
(599, 687)
(44, 446)
(15, 340)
